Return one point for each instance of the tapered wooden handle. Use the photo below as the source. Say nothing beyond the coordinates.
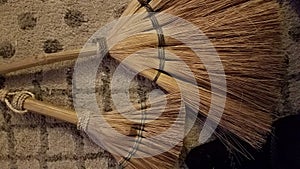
(46, 109)
(46, 59)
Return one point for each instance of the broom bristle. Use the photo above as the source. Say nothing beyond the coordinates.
(152, 136)
(246, 35)
(165, 160)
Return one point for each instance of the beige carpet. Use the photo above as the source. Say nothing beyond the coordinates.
(30, 27)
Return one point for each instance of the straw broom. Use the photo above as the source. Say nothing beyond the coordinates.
(246, 35)
(21, 102)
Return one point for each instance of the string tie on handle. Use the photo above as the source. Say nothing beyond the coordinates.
(17, 102)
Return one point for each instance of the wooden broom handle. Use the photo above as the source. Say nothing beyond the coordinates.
(47, 109)
(43, 108)
(45, 59)
(21, 102)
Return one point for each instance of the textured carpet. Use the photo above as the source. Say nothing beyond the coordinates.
(291, 90)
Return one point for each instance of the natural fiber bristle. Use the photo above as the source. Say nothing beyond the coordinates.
(246, 35)
(165, 160)
(158, 139)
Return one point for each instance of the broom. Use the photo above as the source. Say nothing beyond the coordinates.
(246, 36)
(137, 143)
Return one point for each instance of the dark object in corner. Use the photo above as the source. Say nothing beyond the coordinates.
(282, 151)
(215, 155)
(285, 144)
(208, 156)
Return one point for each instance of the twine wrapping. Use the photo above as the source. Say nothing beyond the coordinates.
(83, 121)
(18, 100)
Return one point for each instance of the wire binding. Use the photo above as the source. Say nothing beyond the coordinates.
(138, 140)
(160, 36)
(162, 57)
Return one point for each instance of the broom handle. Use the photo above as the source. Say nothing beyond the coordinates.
(67, 115)
(46, 59)
(46, 109)
(43, 108)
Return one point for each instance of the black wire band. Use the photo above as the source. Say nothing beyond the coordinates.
(138, 140)
(160, 35)
(162, 57)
